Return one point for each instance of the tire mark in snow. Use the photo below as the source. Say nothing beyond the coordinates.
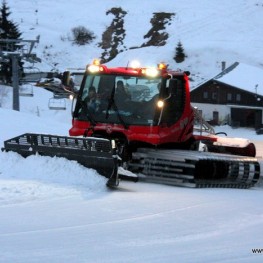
(116, 221)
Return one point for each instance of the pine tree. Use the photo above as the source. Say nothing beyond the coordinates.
(179, 53)
(8, 29)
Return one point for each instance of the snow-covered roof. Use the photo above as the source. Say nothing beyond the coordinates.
(243, 76)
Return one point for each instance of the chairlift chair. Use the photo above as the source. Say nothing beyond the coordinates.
(57, 103)
(26, 90)
(32, 74)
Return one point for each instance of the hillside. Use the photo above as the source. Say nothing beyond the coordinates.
(210, 31)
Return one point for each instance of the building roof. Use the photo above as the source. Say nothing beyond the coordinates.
(243, 76)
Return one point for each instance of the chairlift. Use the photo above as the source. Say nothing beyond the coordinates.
(26, 90)
(32, 74)
(57, 103)
(31, 69)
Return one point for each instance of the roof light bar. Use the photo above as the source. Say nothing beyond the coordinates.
(150, 72)
(96, 62)
(135, 64)
(162, 66)
(95, 66)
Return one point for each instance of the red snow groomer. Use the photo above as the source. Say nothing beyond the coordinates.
(146, 112)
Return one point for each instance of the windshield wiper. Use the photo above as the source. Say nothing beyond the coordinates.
(113, 105)
(87, 113)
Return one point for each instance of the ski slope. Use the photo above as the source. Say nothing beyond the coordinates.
(55, 210)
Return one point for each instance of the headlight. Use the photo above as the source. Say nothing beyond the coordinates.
(160, 104)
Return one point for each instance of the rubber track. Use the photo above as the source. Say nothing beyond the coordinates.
(195, 169)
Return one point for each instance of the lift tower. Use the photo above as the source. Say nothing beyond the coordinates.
(13, 51)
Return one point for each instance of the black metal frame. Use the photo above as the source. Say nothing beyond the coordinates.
(95, 153)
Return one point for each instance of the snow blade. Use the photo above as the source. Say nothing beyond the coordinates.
(95, 153)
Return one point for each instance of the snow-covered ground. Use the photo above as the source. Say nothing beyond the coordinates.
(54, 210)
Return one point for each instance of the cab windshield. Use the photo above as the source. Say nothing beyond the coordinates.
(127, 100)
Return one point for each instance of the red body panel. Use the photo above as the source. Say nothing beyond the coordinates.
(156, 135)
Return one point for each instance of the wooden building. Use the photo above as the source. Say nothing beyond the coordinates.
(234, 97)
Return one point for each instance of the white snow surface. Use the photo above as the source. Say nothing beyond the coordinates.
(55, 210)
